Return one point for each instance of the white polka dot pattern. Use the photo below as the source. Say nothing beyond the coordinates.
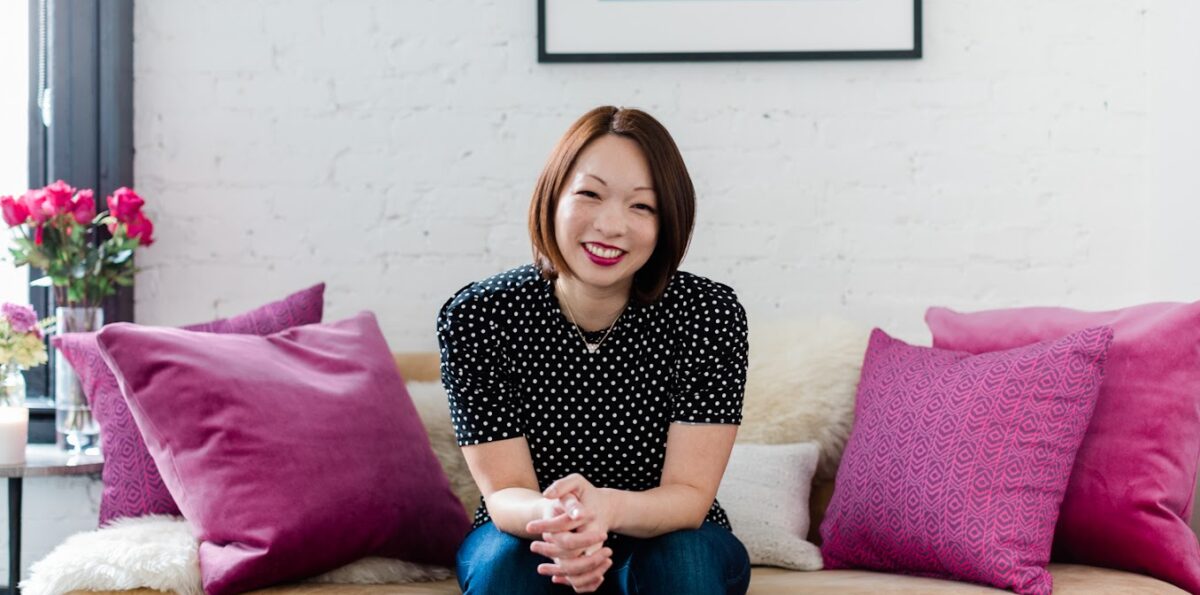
(513, 365)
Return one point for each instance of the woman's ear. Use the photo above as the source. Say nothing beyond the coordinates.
(545, 265)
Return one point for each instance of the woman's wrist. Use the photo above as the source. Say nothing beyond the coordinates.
(512, 509)
(613, 507)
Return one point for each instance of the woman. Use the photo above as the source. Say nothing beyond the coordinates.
(596, 392)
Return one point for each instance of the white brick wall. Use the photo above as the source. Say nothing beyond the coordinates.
(389, 149)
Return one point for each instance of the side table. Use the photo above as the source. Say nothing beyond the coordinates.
(41, 460)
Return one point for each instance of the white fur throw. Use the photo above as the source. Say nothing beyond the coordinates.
(801, 384)
(159, 552)
(765, 494)
(433, 407)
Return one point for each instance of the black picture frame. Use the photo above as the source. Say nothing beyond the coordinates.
(866, 54)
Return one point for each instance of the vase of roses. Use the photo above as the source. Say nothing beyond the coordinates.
(57, 229)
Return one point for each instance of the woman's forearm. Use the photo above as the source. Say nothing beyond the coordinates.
(512, 508)
(657, 511)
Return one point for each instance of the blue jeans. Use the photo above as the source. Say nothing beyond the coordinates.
(704, 561)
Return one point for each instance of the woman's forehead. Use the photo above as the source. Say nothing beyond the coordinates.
(612, 160)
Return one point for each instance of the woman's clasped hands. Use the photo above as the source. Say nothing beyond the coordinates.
(574, 525)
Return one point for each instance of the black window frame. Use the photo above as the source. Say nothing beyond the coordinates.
(82, 51)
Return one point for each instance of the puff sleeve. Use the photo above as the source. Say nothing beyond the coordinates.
(472, 368)
(713, 342)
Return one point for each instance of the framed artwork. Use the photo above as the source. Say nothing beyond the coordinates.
(727, 30)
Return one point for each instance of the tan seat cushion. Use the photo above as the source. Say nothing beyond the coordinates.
(1068, 580)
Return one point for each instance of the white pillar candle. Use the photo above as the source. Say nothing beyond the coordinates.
(14, 434)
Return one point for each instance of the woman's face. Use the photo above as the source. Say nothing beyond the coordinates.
(607, 222)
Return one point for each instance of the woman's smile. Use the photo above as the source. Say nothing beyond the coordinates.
(603, 255)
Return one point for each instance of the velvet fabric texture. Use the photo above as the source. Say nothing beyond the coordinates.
(956, 464)
(1130, 497)
(132, 485)
(290, 454)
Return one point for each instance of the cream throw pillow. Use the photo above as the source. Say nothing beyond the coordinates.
(765, 494)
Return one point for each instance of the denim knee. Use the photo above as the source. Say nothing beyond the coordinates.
(704, 561)
(491, 561)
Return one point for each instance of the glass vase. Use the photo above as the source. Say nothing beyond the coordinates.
(14, 417)
(76, 429)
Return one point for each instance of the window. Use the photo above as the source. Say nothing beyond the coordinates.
(86, 48)
(14, 133)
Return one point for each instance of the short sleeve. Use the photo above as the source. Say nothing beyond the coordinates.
(711, 370)
(480, 397)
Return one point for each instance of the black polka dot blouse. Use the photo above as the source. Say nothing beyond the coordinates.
(514, 365)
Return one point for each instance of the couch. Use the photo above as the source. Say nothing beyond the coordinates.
(1068, 579)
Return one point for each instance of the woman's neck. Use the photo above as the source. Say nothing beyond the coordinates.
(594, 308)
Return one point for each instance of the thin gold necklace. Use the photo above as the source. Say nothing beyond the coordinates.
(593, 347)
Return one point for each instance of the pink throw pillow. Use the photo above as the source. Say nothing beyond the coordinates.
(132, 486)
(956, 464)
(1129, 500)
(290, 454)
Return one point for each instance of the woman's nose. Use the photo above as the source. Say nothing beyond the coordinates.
(611, 219)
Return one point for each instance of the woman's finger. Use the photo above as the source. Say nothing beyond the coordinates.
(571, 504)
(560, 523)
(590, 581)
(551, 525)
(588, 586)
(571, 483)
(585, 566)
(549, 550)
(575, 541)
(553, 551)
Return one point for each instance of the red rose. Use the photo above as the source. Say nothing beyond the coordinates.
(140, 228)
(125, 204)
(37, 235)
(35, 203)
(15, 211)
(84, 208)
(58, 198)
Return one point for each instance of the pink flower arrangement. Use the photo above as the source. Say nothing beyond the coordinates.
(56, 230)
(21, 336)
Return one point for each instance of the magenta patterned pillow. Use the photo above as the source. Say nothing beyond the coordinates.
(957, 463)
(132, 485)
(1136, 467)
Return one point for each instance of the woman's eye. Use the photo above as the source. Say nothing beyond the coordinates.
(588, 193)
(645, 207)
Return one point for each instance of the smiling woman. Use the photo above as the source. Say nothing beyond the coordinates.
(596, 392)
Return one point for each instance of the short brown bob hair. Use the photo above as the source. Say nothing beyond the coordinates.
(673, 190)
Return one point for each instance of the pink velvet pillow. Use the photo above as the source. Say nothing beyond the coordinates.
(956, 464)
(290, 454)
(1130, 496)
(132, 486)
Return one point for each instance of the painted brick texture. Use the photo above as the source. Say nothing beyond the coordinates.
(389, 149)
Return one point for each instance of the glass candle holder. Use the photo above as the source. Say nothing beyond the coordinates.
(14, 416)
